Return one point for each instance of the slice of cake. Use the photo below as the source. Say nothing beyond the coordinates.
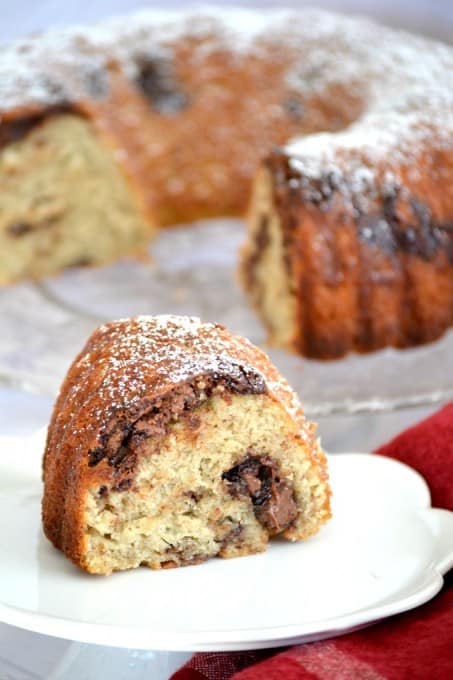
(173, 441)
(344, 256)
(64, 201)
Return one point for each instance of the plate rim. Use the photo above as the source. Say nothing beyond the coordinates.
(136, 637)
(139, 637)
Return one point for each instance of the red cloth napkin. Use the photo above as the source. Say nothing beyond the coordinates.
(417, 645)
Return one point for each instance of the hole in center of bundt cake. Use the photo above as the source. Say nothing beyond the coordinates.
(273, 499)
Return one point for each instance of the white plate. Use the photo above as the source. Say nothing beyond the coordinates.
(193, 271)
(383, 553)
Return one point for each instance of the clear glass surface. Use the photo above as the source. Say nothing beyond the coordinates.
(192, 270)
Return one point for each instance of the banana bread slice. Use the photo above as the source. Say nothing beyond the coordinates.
(173, 441)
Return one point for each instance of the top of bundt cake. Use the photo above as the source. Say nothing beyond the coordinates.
(130, 367)
(384, 96)
(378, 68)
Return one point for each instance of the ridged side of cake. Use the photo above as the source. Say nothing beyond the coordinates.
(347, 254)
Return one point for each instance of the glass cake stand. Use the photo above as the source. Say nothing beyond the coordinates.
(192, 270)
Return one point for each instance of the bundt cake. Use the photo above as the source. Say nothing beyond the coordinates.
(173, 441)
(166, 116)
(350, 239)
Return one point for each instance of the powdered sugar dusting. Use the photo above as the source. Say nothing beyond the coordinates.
(402, 84)
(152, 352)
(148, 368)
(58, 66)
(405, 86)
(133, 361)
(328, 49)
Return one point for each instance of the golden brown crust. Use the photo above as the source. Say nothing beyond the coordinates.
(131, 378)
(177, 178)
(369, 269)
(166, 93)
(167, 90)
